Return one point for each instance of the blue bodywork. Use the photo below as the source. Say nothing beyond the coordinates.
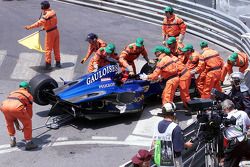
(99, 92)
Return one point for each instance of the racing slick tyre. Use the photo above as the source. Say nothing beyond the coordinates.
(147, 68)
(38, 85)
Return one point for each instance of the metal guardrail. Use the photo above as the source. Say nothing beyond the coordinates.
(202, 21)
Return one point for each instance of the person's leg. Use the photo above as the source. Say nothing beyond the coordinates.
(169, 90)
(48, 49)
(57, 46)
(184, 90)
(9, 118)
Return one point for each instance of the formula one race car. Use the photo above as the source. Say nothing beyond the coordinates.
(95, 95)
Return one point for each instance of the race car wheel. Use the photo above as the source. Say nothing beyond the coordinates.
(38, 85)
(147, 68)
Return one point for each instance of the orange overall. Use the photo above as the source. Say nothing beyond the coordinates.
(241, 62)
(166, 68)
(192, 63)
(129, 54)
(18, 105)
(52, 38)
(100, 60)
(211, 64)
(185, 80)
(93, 47)
(173, 26)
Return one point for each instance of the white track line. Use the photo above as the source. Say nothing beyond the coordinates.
(22, 69)
(3, 53)
(103, 138)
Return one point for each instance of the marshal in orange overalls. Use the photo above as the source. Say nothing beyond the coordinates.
(129, 54)
(211, 65)
(241, 61)
(94, 45)
(52, 38)
(173, 27)
(166, 69)
(18, 105)
(100, 59)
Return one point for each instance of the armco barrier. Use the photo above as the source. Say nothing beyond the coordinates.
(202, 21)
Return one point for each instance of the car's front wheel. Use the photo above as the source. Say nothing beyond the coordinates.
(40, 86)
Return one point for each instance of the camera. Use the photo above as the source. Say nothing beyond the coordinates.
(210, 118)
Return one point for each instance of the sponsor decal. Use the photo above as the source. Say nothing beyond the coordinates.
(107, 85)
(138, 99)
(101, 73)
(105, 79)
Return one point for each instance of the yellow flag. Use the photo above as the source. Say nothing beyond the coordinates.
(32, 42)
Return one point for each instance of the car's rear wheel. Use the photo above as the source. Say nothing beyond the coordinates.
(39, 85)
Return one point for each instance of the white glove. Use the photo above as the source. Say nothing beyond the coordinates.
(181, 38)
(164, 43)
(193, 72)
(131, 73)
(143, 76)
(129, 68)
(151, 61)
(95, 67)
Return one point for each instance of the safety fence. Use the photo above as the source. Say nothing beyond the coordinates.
(202, 21)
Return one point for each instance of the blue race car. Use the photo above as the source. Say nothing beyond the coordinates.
(96, 95)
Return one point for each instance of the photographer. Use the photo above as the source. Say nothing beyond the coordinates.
(168, 141)
(236, 145)
(239, 93)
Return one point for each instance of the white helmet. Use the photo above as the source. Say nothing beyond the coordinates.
(169, 107)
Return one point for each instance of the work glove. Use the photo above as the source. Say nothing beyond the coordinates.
(83, 60)
(193, 72)
(181, 38)
(143, 76)
(27, 27)
(164, 43)
(151, 61)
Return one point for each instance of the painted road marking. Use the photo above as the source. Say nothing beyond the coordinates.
(103, 138)
(3, 53)
(146, 141)
(145, 126)
(23, 70)
(67, 70)
(79, 142)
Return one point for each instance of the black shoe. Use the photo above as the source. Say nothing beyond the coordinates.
(12, 142)
(48, 66)
(30, 146)
(58, 64)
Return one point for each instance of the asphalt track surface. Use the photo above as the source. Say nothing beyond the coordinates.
(103, 143)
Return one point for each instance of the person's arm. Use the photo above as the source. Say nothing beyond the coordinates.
(201, 65)
(242, 69)
(90, 51)
(37, 24)
(164, 34)
(122, 59)
(29, 106)
(183, 28)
